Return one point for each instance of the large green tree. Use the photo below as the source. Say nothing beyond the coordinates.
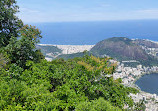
(9, 22)
(23, 49)
(17, 41)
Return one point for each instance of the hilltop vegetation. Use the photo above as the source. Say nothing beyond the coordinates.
(9, 23)
(52, 50)
(122, 49)
(17, 41)
(119, 48)
(29, 82)
(63, 85)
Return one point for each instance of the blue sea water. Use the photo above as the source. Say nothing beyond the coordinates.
(149, 83)
(80, 33)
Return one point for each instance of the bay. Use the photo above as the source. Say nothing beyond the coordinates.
(148, 83)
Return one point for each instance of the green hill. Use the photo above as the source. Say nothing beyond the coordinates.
(122, 49)
(53, 51)
(70, 56)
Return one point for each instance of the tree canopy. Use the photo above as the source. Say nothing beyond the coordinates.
(17, 41)
(63, 85)
(23, 49)
(9, 22)
(29, 82)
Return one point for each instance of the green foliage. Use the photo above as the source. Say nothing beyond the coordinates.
(30, 83)
(71, 56)
(9, 22)
(122, 39)
(3, 60)
(140, 106)
(23, 49)
(63, 85)
(96, 105)
(123, 49)
(16, 41)
(49, 49)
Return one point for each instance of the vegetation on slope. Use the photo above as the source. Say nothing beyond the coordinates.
(17, 41)
(28, 82)
(9, 23)
(63, 85)
(49, 49)
(123, 48)
(71, 56)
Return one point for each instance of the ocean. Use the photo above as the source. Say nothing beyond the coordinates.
(89, 33)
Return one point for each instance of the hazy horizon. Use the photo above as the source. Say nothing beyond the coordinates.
(89, 33)
(32, 11)
(90, 21)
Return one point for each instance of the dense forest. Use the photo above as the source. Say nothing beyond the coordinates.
(29, 82)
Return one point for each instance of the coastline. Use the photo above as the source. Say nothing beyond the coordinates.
(143, 74)
(130, 75)
(150, 100)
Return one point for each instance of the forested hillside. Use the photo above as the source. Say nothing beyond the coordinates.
(49, 51)
(120, 48)
(123, 49)
(79, 84)
(29, 82)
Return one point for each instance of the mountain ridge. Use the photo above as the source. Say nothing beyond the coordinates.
(122, 49)
(119, 45)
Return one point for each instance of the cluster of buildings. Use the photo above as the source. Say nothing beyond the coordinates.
(66, 49)
(150, 100)
(129, 75)
(151, 51)
(70, 49)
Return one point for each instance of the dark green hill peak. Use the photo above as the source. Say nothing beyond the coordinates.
(121, 40)
(121, 48)
(116, 39)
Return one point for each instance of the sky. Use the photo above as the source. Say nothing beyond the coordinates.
(37, 11)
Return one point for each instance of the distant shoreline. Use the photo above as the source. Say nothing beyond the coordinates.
(63, 45)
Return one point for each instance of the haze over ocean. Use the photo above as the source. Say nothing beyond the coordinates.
(89, 33)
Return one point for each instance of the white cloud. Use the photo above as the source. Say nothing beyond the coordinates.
(146, 14)
(27, 10)
(105, 5)
(148, 11)
(31, 15)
